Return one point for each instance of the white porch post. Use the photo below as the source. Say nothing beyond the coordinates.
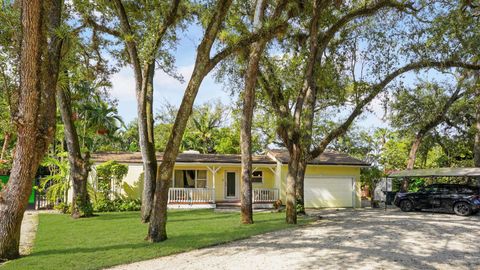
(213, 170)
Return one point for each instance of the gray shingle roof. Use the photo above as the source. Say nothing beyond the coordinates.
(327, 158)
(136, 157)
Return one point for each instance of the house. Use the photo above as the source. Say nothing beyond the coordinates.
(211, 180)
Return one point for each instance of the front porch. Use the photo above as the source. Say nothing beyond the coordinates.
(180, 198)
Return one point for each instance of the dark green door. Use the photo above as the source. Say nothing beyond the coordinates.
(231, 185)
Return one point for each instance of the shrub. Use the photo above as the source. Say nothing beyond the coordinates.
(117, 205)
(62, 207)
(110, 172)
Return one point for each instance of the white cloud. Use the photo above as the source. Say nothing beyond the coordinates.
(123, 84)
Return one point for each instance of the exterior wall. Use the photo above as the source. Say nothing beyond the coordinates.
(135, 169)
(270, 180)
(321, 170)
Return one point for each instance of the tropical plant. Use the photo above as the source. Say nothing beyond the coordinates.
(109, 178)
(57, 184)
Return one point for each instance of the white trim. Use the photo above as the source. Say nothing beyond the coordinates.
(192, 206)
(213, 170)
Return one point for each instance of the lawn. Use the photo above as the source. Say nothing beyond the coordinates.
(117, 238)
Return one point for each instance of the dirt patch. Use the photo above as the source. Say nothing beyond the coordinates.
(346, 239)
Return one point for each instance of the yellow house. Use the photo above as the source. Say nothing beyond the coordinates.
(211, 180)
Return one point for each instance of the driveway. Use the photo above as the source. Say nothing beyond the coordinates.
(346, 239)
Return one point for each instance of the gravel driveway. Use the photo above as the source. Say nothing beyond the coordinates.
(346, 239)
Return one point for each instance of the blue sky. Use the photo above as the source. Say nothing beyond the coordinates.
(171, 90)
(166, 87)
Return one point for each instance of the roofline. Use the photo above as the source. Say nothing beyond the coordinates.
(239, 164)
(333, 164)
(200, 163)
(441, 172)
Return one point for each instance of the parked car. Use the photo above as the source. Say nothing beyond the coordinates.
(462, 200)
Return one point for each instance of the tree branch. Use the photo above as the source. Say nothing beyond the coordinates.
(361, 12)
(169, 21)
(128, 37)
(99, 27)
(264, 33)
(376, 89)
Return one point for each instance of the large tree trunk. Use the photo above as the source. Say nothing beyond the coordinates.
(412, 156)
(305, 112)
(79, 168)
(300, 188)
(147, 142)
(35, 118)
(256, 51)
(203, 64)
(158, 220)
(291, 202)
(144, 94)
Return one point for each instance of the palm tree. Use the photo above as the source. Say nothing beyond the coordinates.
(99, 117)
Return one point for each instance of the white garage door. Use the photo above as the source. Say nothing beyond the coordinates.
(329, 192)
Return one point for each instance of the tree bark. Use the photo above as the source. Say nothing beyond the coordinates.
(304, 122)
(476, 146)
(256, 50)
(157, 229)
(6, 141)
(144, 94)
(291, 202)
(79, 167)
(35, 116)
(147, 142)
(158, 219)
(300, 188)
(413, 151)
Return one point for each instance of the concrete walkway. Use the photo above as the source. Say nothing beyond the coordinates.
(28, 231)
(363, 239)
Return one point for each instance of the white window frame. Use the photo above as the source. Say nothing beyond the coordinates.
(196, 177)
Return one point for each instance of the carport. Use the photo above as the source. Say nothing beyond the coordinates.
(459, 198)
(472, 172)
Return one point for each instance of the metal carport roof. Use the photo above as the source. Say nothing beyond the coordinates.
(437, 172)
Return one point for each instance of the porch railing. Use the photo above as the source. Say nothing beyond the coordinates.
(265, 195)
(191, 195)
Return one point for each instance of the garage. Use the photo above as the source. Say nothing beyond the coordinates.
(329, 192)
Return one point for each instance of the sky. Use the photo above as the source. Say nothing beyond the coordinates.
(168, 89)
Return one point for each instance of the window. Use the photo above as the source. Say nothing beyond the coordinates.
(465, 190)
(190, 179)
(257, 177)
(431, 189)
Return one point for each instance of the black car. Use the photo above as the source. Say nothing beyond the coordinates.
(462, 200)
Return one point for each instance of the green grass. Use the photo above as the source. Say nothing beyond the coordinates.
(117, 238)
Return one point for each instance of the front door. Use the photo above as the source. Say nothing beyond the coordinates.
(231, 185)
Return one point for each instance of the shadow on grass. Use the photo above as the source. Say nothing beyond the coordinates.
(65, 251)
